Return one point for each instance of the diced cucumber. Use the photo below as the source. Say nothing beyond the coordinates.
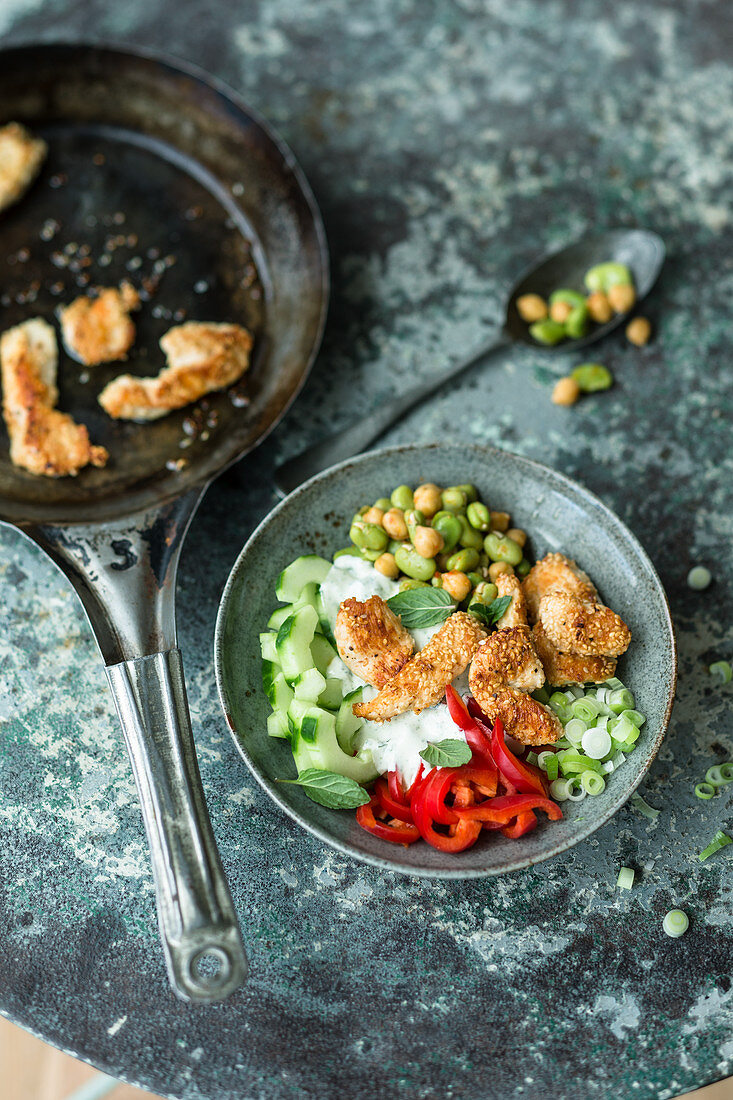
(277, 689)
(278, 617)
(267, 646)
(347, 724)
(322, 652)
(270, 670)
(302, 571)
(309, 685)
(277, 724)
(308, 597)
(332, 695)
(294, 641)
(324, 625)
(320, 749)
(307, 721)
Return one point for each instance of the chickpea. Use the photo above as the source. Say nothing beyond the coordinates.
(638, 331)
(428, 499)
(531, 307)
(387, 566)
(566, 392)
(498, 567)
(499, 521)
(599, 307)
(621, 297)
(518, 535)
(394, 524)
(427, 541)
(560, 311)
(456, 584)
(374, 515)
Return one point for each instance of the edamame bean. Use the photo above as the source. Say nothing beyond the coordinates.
(592, 377)
(384, 504)
(523, 568)
(414, 519)
(464, 561)
(502, 548)
(351, 551)
(454, 499)
(478, 516)
(450, 527)
(469, 535)
(603, 276)
(571, 297)
(410, 562)
(393, 545)
(475, 579)
(576, 323)
(402, 497)
(486, 592)
(470, 490)
(371, 555)
(547, 332)
(409, 582)
(368, 536)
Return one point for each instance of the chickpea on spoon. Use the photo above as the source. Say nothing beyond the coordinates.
(641, 251)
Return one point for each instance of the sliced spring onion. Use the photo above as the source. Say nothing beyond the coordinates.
(552, 766)
(726, 771)
(704, 790)
(592, 783)
(596, 743)
(619, 700)
(713, 776)
(721, 671)
(587, 708)
(577, 796)
(614, 683)
(625, 878)
(720, 840)
(531, 757)
(560, 790)
(643, 807)
(634, 716)
(543, 758)
(699, 578)
(676, 923)
(575, 729)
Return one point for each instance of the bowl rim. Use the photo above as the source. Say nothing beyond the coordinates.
(383, 862)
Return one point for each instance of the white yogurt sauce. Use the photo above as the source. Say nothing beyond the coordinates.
(399, 742)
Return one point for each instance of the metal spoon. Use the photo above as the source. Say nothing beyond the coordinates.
(642, 251)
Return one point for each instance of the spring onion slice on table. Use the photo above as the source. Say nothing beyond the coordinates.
(442, 770)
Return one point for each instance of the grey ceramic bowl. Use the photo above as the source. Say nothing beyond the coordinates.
(558, 514)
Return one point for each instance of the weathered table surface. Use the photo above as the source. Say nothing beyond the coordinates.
(449, 142)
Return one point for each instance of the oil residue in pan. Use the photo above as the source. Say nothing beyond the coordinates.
(111, 205)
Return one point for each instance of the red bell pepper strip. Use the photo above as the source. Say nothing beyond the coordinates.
(464, 833)
(396, 832)
(524, 777)
(400, 810)
(479, 740)
(505, 808)
(524, 824)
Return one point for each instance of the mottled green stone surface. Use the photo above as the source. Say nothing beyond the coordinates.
(448, 143)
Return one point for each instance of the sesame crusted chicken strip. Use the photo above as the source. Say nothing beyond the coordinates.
(507, 657)
(582, 626)
(21, 157)
(371, 640)
(523, 718)
(99, 330)
(508, 584)
(421, 683)
(202, 357)
(555, 571)
(569, 668)
(42, 439)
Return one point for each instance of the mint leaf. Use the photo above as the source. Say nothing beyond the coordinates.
(330, 789)
(450, 753)
(491, 613)
(419, 607)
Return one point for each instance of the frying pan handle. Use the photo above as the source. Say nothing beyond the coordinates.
(198, 924)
